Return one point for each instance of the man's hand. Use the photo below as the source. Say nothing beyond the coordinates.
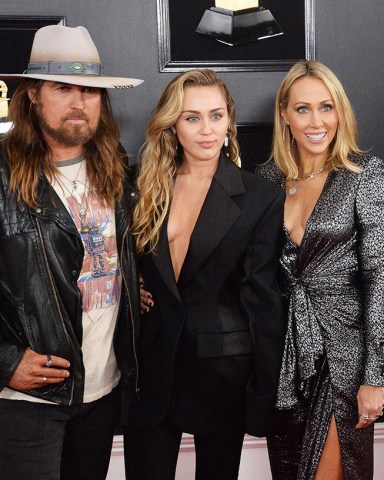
(33, 371)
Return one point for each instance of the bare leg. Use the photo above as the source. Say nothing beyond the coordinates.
(330, 465)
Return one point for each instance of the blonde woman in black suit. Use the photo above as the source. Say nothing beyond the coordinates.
(208, 235)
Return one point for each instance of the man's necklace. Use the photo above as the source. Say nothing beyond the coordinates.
(83, 205)
(294, 188)
(75, 180)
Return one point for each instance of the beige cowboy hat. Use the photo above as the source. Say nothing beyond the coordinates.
(68, 55)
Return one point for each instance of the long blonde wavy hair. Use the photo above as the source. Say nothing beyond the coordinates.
(28, 153)
(284, 151)
(162, 154)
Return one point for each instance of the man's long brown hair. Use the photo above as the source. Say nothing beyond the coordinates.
(29, 154)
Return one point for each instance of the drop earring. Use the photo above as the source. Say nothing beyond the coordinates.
(226, 141)
(173, 130)
(284, 131)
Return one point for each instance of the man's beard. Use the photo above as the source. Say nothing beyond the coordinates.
(68, 135)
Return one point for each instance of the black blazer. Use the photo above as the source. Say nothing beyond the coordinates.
(211, 347)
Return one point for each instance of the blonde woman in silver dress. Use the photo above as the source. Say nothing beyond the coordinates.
(331, 383)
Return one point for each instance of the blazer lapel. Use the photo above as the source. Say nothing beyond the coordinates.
(162, 259)
(219, 212)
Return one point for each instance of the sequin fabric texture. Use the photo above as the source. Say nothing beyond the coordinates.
(334, 285)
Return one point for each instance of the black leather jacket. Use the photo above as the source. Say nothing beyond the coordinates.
(41, 255)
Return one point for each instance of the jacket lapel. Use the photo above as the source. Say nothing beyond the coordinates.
(54, 207)
(218, 214)
(162, 259)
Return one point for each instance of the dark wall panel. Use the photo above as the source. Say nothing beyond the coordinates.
(349, 37)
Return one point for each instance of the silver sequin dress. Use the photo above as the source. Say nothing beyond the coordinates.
(334, 287)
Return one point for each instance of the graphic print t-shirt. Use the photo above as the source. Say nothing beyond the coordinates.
(99, 281)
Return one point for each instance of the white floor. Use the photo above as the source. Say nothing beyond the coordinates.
(254, 461)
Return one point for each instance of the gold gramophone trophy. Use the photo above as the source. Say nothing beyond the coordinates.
(238, 21)
(3, 100)
(4, 124)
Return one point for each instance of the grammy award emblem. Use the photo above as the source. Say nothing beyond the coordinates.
(238, 21)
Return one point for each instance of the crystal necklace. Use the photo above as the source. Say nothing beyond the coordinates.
(294, 188)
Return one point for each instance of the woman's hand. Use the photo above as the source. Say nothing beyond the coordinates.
(370, 401)
(146, 301)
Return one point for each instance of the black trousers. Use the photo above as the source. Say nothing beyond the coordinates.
(41, 441)
(151, 454)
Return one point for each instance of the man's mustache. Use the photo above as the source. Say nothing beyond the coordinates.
(77, 116)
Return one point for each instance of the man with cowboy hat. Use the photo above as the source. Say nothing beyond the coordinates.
(69, 299)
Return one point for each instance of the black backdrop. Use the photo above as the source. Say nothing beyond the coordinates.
(187, 45)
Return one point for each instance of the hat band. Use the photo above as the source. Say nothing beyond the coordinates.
(65, 68)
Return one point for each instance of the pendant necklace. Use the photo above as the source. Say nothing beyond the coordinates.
(83, 206)
(75, 180)
(294, 188)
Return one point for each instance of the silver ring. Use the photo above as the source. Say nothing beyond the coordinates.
(367, 417)
(45, 379)
(48, 363)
